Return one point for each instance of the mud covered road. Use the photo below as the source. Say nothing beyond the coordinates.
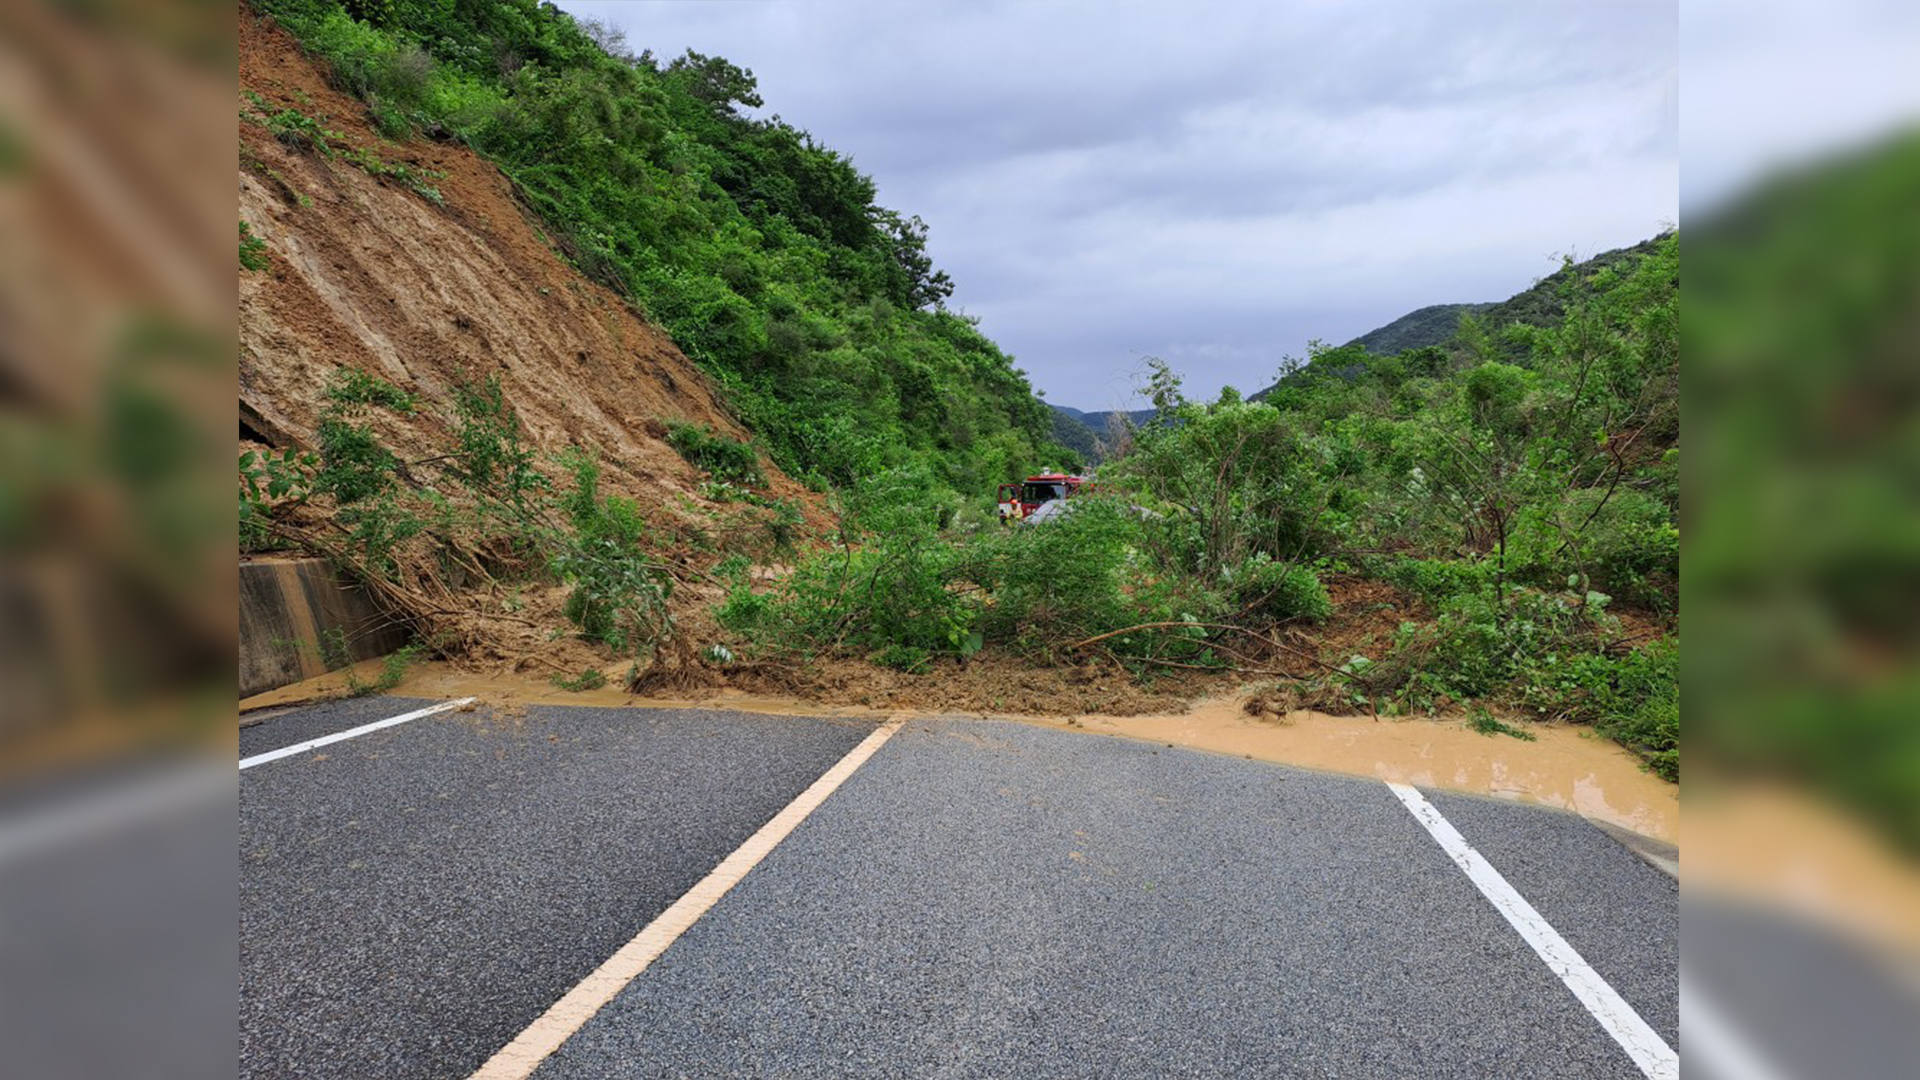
(977, 898)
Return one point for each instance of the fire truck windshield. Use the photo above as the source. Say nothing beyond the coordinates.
(1038, 493)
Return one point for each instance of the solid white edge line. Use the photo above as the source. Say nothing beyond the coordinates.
(1644, 1045)
(519, 1058)
(351, 733)
(1716, 1045)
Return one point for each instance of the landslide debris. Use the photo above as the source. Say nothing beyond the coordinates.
(414, 263)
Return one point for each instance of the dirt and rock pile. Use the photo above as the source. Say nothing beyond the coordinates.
(366, 272)
(415, 261)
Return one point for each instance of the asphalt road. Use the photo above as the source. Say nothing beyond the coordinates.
(979, 899)
(410, 899)
(991, 900)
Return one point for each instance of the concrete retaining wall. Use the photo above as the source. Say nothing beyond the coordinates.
(288, 607)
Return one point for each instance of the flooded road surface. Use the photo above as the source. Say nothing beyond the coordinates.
(437, 679)
(1565, 767)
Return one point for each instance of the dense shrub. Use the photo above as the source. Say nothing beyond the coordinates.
(1436, 580)
(618, 595)
(884, 593)
(1079, 575)
(1278, 592)
(722, 458)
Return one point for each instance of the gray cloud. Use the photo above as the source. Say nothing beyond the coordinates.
(1218, 183)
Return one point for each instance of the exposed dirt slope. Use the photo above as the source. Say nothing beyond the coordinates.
(368, 273)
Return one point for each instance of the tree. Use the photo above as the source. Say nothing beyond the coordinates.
(717, 82)
(918, 286)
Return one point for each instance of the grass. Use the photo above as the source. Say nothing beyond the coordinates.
(590, 679)
(253, 250)
(1484, 722)
(337, 652)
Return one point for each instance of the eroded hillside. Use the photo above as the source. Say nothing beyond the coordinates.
(370, 272)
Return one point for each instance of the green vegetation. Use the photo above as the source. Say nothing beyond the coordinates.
(303, 132)
(1520, 485)
(1804, 549)
(1431, 325)
(760, 251)
(481, 511)
(590, 679)
(336, 652)
(619, 594)
(724, 459)
(1484, 722)
(1520, 477)
(271, 483)
(253, 250)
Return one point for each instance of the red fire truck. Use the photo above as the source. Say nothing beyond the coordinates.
(1021, 499)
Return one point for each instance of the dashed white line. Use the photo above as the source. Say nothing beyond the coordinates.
(519, 1058)
(1644, 1045)
(351, 733)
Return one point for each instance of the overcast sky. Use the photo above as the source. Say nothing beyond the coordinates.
(1218, 184)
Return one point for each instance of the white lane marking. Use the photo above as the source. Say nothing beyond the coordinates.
(1644, 1045)
(351, 733)
(1716, 1045)
(518, 1059)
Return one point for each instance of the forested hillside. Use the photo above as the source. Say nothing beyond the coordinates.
(761, 252)
(1429, 325)
(1488, 524)
(1461, 330)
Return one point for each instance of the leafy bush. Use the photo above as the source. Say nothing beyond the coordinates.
(888, 597)
(1436, 580)
(492, 458)
(619, 595)
(1076, 576)
(1277, 592)
(1634, 698)
(359, 473)
(724, 459)
(269, 483)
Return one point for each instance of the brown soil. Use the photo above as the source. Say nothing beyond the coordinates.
(368, 274)
(1565, 766)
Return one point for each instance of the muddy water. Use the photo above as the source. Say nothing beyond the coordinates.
(435, 679)
(1563, 767)
(1783, 848)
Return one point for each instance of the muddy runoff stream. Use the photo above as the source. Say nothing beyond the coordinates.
(1565, 767)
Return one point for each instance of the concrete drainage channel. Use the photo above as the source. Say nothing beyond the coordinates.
(293, 611)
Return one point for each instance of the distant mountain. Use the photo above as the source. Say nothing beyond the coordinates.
(1537, 305)
(1436, 324)
(1083, 432)
(1071, 430)
(1540, 305)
